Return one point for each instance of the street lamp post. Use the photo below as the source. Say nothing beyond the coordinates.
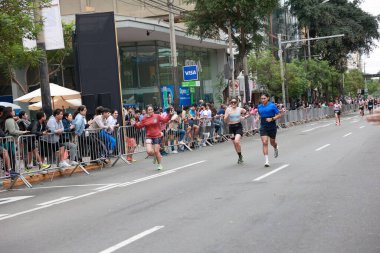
(280, 43)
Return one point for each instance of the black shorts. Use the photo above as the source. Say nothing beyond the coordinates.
(370, 108)
(236, 129)
(337, 112)
(268, 132)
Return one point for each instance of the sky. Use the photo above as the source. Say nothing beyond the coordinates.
(372, 62)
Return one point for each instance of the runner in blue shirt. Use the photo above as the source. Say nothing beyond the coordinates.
(268, 113)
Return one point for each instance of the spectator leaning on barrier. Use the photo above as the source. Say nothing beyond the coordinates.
(100, 123)
(4, 154)
(67, 137)
(80, 124)
(10, 125)
(37, 128)
(51, 142)
(25, 125)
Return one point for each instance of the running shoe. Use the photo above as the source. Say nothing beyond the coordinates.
(28, 168)
(275, 152)
(64, 164)
(240, 160)
(266, 164)
(44, 166)
(160, 167)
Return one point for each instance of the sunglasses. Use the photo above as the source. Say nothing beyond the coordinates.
(233, 102)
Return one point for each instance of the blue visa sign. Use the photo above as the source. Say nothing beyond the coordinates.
(190, 73)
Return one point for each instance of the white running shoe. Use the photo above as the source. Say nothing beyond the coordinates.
(160, 167)
(64, 164)
(266, 164)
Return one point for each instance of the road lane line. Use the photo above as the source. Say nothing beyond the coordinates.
(270, 173)
(53, 201)
(362, 127)
(13, 199)
(311, 129)
(325, 146)
(2, 215)
(132, 239)
(57, 202)
(60, 186)
(347, 135)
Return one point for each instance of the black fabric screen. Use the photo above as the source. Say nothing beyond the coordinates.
(97, 59)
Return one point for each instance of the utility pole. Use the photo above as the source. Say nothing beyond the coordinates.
(232, 61)
(281, 69)
(173, 48)
(43, 66)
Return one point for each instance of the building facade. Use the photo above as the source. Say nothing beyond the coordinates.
(145, 54)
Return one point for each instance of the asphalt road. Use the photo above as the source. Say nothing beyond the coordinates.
(320, 195)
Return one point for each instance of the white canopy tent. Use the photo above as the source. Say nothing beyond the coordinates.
(56, 92)
(6, 104)
(58, 103)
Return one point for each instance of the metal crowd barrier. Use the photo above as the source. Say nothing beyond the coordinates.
(9, 161)
(311, 114)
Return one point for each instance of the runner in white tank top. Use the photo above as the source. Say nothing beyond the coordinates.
(337, 109)
(233, 118)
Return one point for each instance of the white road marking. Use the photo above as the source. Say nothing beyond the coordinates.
(270, 173)
(106, 187)
(355, 121)
(347, 135)
(362, 127)
(57, 202)
(311, 129)
(53, 201)
(60, 186)
(13, 199)
(325, 146)
(132, 239)
(2, 215)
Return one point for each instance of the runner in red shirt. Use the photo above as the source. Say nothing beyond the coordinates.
(152, 123)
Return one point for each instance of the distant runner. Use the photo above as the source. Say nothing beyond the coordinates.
(337, 109)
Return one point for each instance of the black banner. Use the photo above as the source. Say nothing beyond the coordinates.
(97, 60)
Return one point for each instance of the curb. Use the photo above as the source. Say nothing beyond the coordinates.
(38, 177)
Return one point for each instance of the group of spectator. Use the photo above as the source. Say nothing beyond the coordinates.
(63, 138)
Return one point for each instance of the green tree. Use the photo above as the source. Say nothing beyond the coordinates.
(17, 22)
(246, 17)
(373, 87)
(337, 17)
(353, 82)
(296, 80)
(267, 68)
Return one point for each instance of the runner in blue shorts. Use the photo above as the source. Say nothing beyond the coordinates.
(268, 113)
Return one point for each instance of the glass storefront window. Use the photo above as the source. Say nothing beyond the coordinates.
(129, 77)
(146, 60)
(164, 64)
(146, 66)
